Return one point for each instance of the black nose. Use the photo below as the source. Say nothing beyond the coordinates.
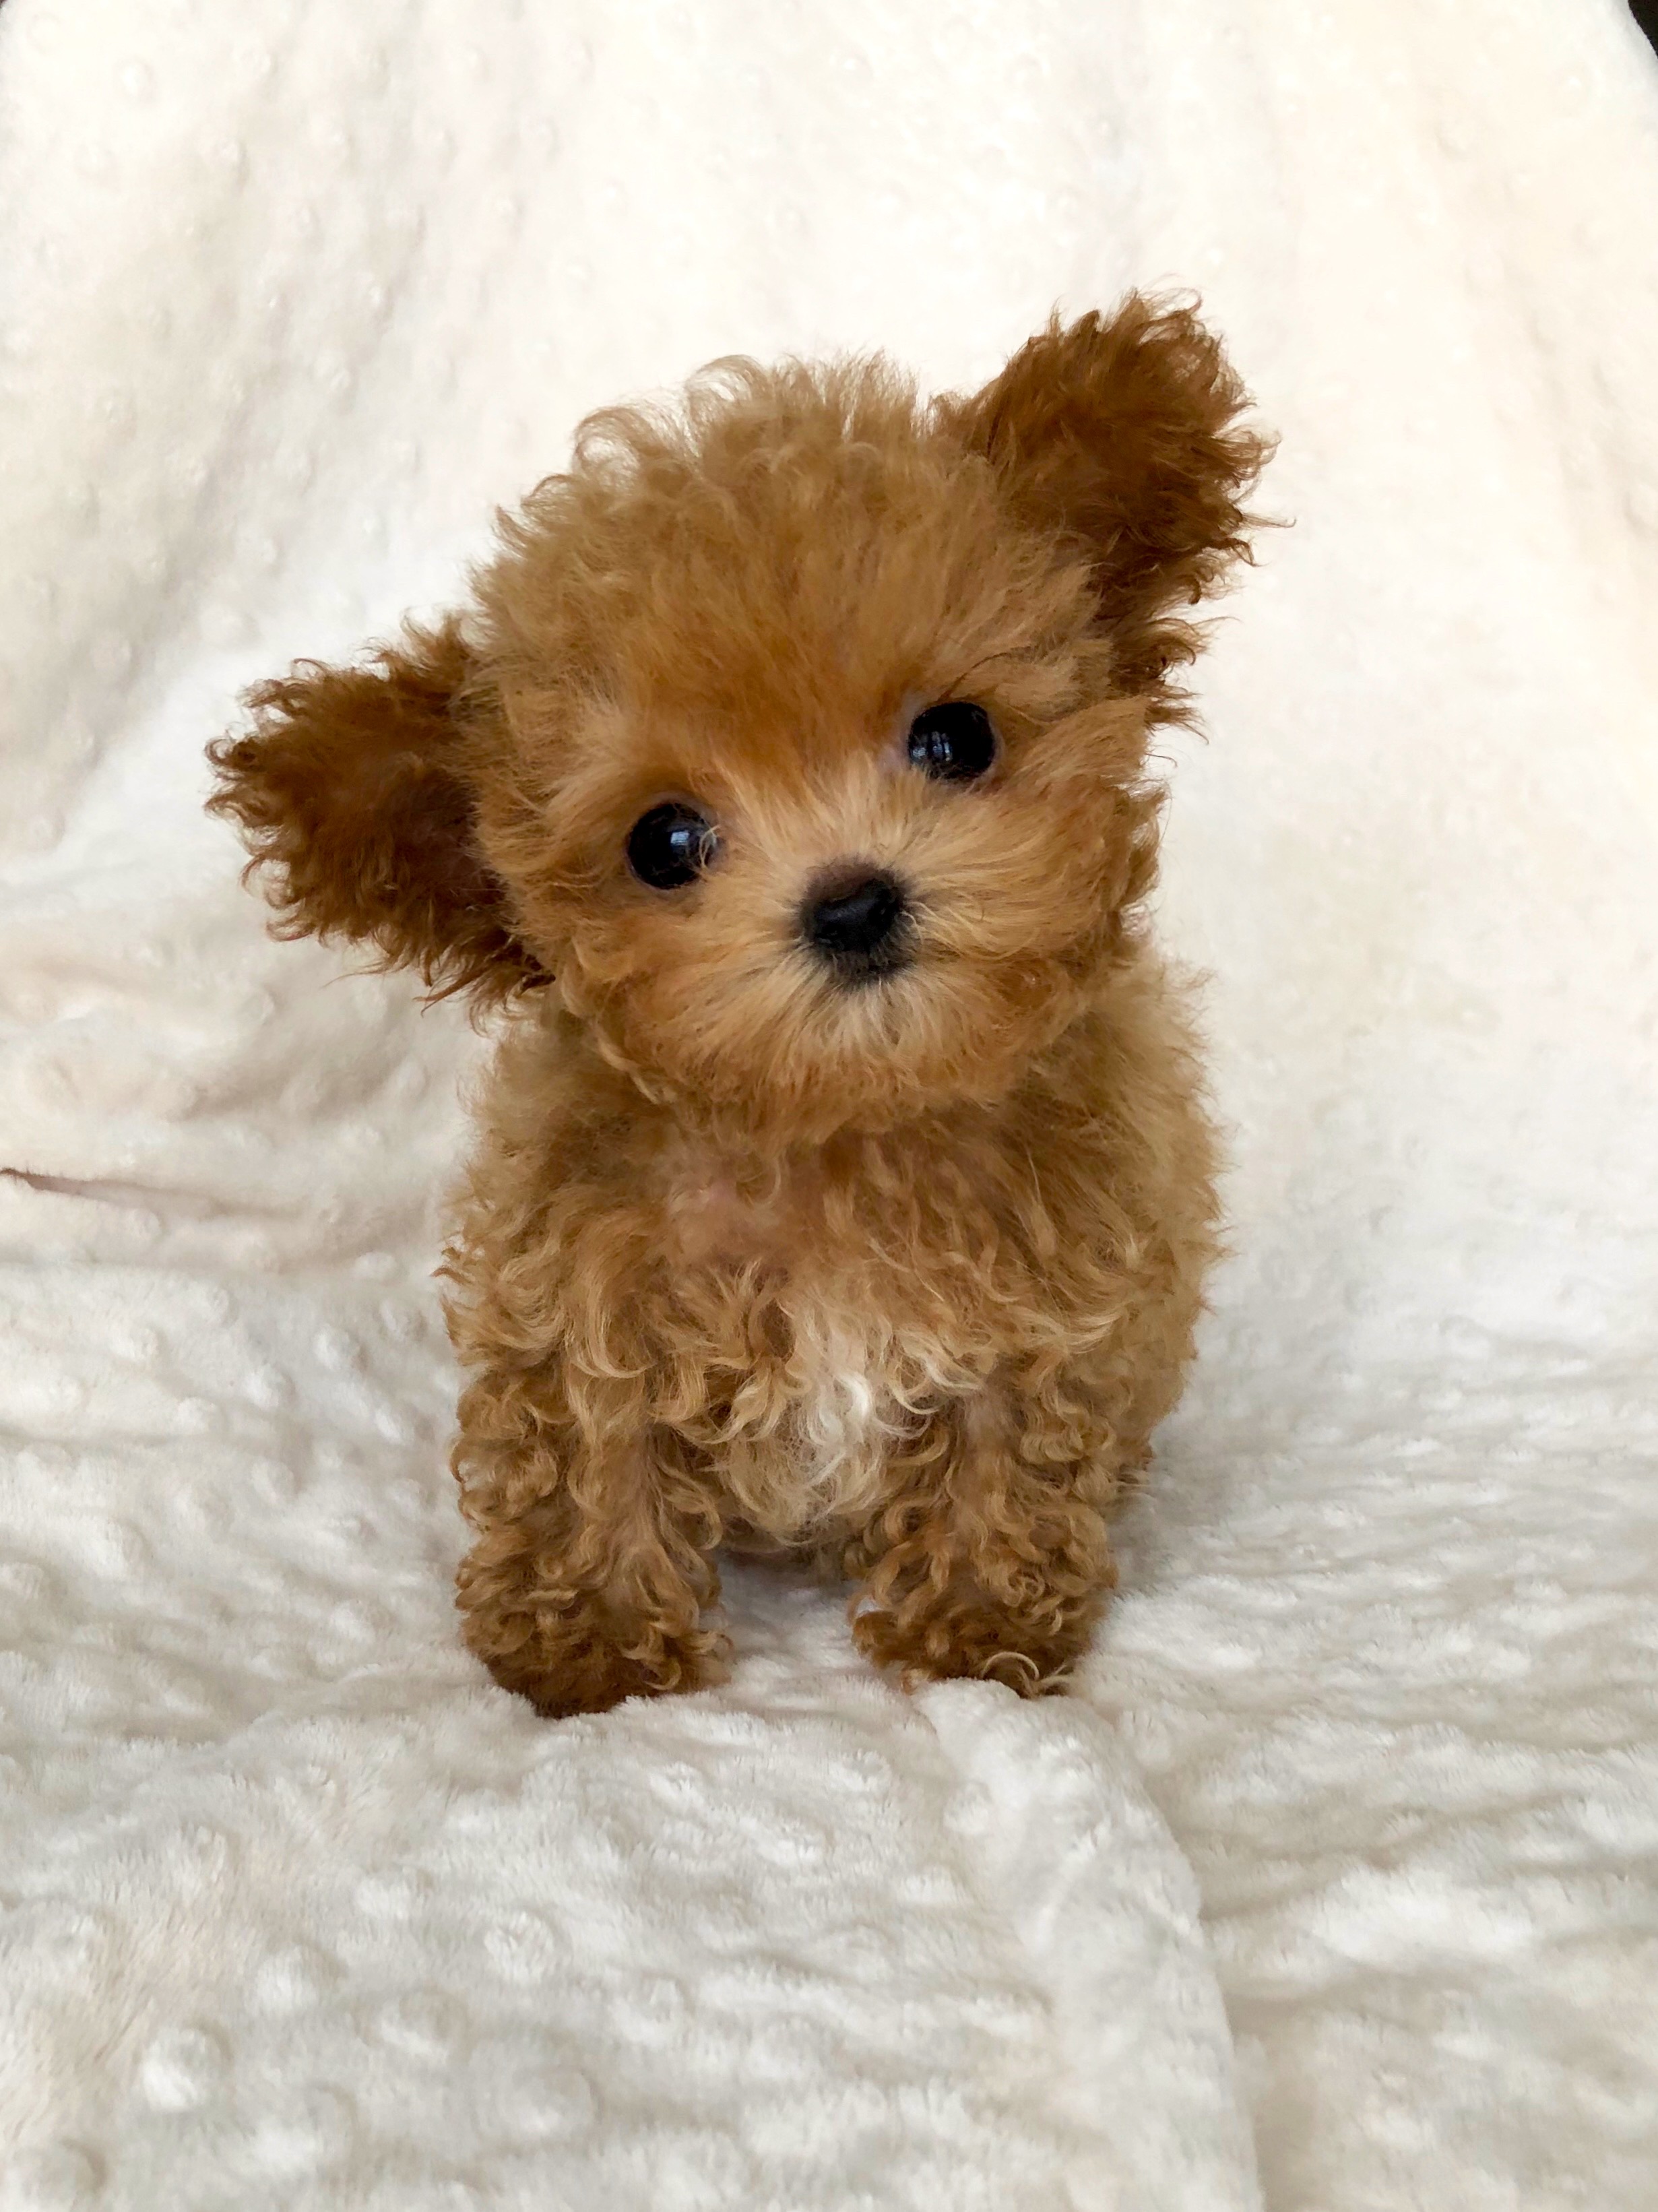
(856, 922)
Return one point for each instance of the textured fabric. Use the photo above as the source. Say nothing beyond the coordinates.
(1346, 1861)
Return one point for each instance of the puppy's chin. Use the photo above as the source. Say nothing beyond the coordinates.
(826, 1055)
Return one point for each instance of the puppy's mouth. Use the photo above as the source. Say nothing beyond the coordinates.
(855, 920)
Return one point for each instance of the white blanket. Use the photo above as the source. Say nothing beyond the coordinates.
(1338, 1885)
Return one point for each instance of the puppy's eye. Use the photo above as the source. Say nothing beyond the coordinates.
(670, 846)
(955, 741)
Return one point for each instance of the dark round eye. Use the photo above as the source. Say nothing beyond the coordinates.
(670, 846)
(955, 741)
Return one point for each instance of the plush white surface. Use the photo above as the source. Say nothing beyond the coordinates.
(295, 1909)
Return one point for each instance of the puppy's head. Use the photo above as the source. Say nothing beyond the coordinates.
(798, 737)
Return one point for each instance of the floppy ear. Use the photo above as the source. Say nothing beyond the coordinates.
(352, 793)
(1121, 434)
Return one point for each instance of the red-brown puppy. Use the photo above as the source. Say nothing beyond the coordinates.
(843, 1184)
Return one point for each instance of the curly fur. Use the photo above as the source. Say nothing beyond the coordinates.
(901, 1277)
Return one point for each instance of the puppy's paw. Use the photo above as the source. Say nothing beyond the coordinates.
(580, 1664)
(971, 1638)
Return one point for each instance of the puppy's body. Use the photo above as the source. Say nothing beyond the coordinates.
(847, 1192)
(931, 1351)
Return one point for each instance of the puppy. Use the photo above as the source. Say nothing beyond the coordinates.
(843, 1186)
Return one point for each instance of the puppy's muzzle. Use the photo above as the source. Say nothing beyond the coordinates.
(856, 920)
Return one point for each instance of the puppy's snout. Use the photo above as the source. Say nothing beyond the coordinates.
(856, 920)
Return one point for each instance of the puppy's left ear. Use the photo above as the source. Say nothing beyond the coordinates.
(356, 793)
(1121, 435)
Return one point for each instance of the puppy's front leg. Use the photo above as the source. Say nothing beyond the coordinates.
(589, 1574)
(990, 1557)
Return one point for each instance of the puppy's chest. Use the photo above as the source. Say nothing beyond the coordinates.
(811, 1377)
(844, 1410)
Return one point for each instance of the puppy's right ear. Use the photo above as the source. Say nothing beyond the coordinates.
(354, 791)
(1121, 434)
